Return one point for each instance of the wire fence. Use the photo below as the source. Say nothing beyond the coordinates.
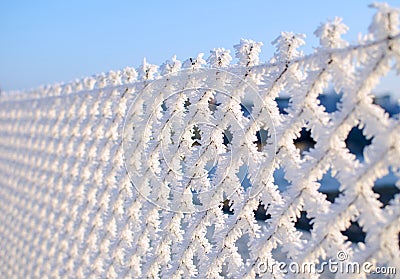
(175, 171)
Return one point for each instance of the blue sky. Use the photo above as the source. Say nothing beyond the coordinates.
(44, 42)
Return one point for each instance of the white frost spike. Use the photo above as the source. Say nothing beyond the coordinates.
(129, 75)
(330, 33)
(247, 51)
(219, 57)
(101, 80)
(67, 88)
(287, 45)
(194, 63)
(115, 77)
(171, 66)
(89, 83)
(77, 85)
(147, 71)
(385, 22)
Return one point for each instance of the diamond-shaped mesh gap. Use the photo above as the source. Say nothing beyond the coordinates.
(386, 188)
(356, 142)
(212, 105)
(283, 101)
(211, 168)
(227, 137)
(388, 104)
(283, 104)
(278, 254)
(304, 142)
(330, 101)
(355, 233)
(303, 222)
(224, 270)
(329, 186)
(280, 180)
(195, 198)
(196, 261)
(164, 106)
(227, 207)
(210, 233)
(243, 176)
(246, 109)
(243, 248)
(387, 92)
(186, 104)
(262, 138)
(260, 213)
(196, 136)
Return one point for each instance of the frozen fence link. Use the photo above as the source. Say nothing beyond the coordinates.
(194, 63)
(171, 66)
(147, 71)
(219, 57)
(330, 33)
(195, 169)
(247, 52)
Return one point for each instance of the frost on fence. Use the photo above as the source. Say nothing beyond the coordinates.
(187, 144)
(81, 195)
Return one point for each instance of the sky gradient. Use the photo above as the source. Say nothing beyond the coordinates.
(44, 42)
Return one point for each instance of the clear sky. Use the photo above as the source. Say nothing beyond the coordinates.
(44, 42)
